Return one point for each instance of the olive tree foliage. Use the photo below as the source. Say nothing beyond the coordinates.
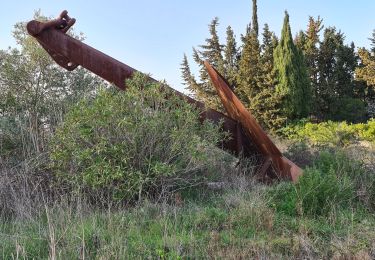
(135, 143)
(34, 94)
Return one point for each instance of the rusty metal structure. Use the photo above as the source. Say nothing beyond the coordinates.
(247, 136)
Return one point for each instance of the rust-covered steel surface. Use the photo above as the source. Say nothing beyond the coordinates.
(236, 110)
(70, 53)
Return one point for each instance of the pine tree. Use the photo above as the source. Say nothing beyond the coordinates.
(212, 51)
(231, 58)
(187, 76)
(291, 73)
(248, 76)
(326, 94)
(336, 66)
(269, 43)
(268, 100)
(204, 90)
(249, 71)
(346, 63)
(256, 79)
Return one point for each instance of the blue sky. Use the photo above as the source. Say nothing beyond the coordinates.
(152, 35)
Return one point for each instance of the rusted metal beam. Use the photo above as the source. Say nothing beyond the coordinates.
(70, 53)
(236, 110)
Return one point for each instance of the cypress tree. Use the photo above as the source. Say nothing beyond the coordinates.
(373, 42)
(311, 52)
(291, 73)
(255, 18)
(249, 71)
(308, 42)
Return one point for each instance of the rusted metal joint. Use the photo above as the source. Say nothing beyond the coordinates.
(62, 23)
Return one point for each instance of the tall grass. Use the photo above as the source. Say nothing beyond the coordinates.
(229, 224)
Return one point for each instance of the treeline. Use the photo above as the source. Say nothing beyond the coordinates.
(287, 79)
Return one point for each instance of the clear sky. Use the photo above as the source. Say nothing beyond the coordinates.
(152, 35)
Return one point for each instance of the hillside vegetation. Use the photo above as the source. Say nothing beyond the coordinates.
(91, 172)
(91, 198)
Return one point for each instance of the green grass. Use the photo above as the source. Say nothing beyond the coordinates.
(231, 224)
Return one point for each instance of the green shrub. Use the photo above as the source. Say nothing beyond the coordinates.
(319, 192)
(134, 143)
(331, 133)
(316, 194)
(327, 133)
(322, 188)
(366, 131)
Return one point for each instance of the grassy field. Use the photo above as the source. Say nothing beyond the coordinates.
(232, 224)
(243, 219)
(96, 191)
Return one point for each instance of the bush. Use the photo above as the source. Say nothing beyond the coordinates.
(316, 194)
(319, 192)
(330, 184)
(366, 131)
(134, 143)
(331, 133)
(327, 133)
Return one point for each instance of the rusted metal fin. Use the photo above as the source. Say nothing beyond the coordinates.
(235, 109)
